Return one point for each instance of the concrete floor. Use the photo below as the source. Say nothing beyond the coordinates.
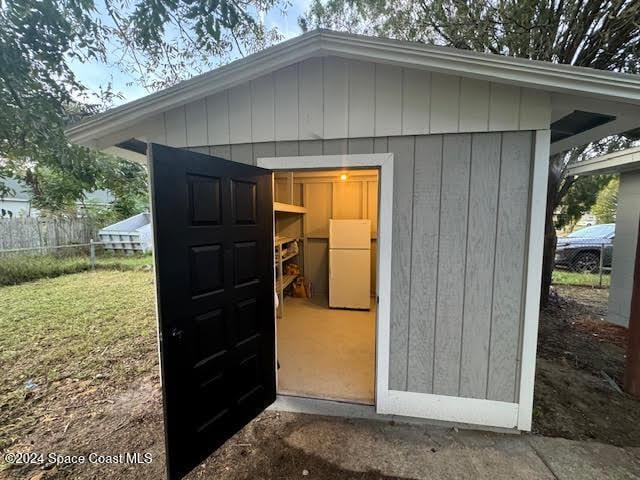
(326, 353)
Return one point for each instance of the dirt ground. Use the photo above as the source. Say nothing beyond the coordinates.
(579, 356)
(573, 399)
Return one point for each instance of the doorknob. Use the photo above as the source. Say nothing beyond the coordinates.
(176, 334)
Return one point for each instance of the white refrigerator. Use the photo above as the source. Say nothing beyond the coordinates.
(349, 264)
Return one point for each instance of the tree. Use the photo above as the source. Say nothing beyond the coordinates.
(159, 41)
(580, 198)
(602, 34)
(607, 202)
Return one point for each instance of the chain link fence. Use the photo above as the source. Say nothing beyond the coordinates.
(18, 265)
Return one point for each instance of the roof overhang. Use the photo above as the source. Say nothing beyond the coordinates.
(618, 162)
(572, 85)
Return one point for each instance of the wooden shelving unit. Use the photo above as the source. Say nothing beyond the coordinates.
(283, 280)
(287, 207)
(286, 214)
(287, 280)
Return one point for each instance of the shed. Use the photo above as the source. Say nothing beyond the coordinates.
(459, 144)
(130, 235)
(627, 164)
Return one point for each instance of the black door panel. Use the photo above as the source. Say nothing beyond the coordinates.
(214, 269)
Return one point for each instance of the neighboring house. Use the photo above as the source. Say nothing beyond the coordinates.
(625, 242)
(461, 141)
(18, 204)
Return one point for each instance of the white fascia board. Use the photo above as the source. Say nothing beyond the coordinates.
(622, 161)
(534, 74)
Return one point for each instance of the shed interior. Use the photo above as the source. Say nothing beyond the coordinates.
(324, 351)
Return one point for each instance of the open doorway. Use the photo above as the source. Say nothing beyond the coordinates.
(326, 224)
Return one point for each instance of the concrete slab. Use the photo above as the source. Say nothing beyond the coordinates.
(570, 459)
(418, 452)
(326, 353)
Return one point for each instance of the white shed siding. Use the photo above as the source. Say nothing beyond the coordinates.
(624, 248)
(331, 97)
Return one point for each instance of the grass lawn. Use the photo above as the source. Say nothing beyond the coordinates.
(15, 269)
(562, 277)
(92, 329)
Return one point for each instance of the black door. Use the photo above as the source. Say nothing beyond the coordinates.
(212, 222)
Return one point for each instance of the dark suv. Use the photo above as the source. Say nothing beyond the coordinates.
(580, 250)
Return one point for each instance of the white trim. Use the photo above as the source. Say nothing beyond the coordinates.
(540, 75)
(474, 411)
(534, 275)
(621, 161)
(385, 221)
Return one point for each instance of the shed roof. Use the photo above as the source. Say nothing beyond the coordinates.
(604, 92)
(617, 162)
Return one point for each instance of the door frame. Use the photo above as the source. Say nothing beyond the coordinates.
(383, 161)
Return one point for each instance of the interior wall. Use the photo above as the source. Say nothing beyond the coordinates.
(326, 196)
(459, 243)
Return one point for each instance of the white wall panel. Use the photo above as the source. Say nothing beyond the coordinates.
(504, 108)
(335, 98)
(535, 109)
(416, 98)
(196, 118)
(445, 103)
(152, 130)
(175, 124)
(262, 109)
(286, 81)
(311, 108)
(474, 105)
(240, 114)
(361, 99)
(388, 100)
(218, 118)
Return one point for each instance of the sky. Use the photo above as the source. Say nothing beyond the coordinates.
(94, 75)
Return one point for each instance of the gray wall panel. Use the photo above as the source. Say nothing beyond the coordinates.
(478, 282)
(454, 204)
(424, 257)
(456, 304)
(242, 153)
(403, 166)
(222, 151)
(266, 149)
(335, 147)
(311, 147)
(513, 205)
(287, 149)
(360, 145)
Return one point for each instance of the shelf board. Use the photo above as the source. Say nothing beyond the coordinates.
(285, 282)
(287, 207)
(288, 257)
(282, 240)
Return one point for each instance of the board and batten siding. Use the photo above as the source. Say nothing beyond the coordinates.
(459, 234)
(335, 98)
